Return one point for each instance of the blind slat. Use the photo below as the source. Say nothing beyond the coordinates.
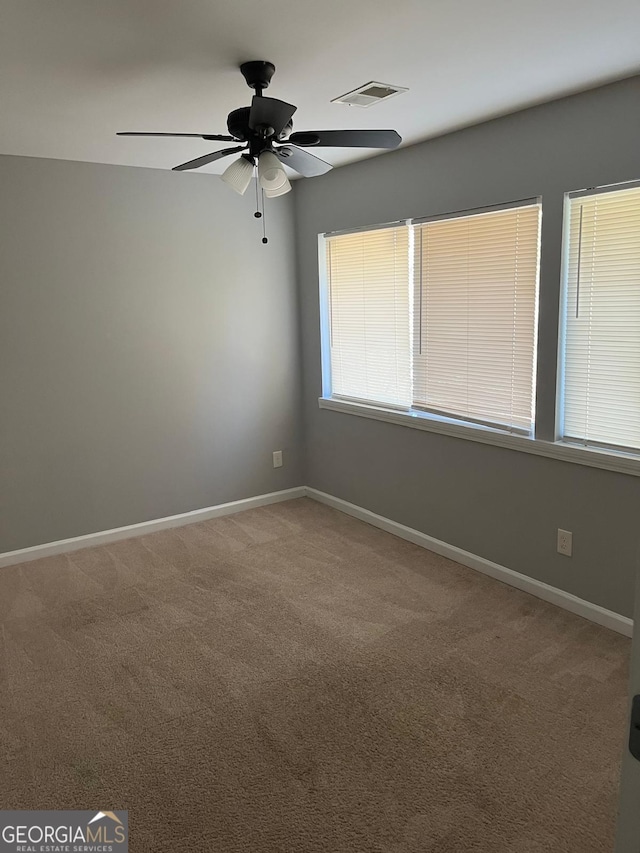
(475, 298)
(368, 277)
(473, 316)
(602, 320)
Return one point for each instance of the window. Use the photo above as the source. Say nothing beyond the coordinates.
(369, 312)
(432, 323)
(476, 282)
(601, 393)
(438, 316)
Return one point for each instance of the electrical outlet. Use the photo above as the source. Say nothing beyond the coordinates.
(277, 459)
(565, 542)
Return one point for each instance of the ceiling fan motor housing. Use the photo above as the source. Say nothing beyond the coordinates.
(238, 123)
(238, 127)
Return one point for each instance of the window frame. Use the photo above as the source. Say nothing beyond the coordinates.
(325, 307)
(534, 201)
(595, 457)
(393, 226)
(561, 438)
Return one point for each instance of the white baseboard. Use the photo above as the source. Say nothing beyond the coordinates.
(592, 612)
(25, 555)
(566, 600)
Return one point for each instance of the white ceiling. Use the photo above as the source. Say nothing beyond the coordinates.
(73, 72)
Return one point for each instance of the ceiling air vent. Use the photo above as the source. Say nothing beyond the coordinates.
(369, 94)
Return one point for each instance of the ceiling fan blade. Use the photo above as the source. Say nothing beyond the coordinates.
(302, 161)
(208, 158)
(270, 112)
(213, 136)
(347, 138)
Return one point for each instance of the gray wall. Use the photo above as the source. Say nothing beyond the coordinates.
(501, 504)
(149, 357)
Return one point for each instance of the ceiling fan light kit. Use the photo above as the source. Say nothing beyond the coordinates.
(271, 174)
(265, 131)
(238, 175)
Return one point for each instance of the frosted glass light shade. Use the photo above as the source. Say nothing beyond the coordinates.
(238, 175)
(285, 188)
(271, 175)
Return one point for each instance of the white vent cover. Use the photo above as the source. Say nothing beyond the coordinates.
(369, 94)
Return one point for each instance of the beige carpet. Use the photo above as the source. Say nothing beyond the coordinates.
(289, 679)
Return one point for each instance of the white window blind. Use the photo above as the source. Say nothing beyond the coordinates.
(368, 280)
(475, 315)
(602, 320)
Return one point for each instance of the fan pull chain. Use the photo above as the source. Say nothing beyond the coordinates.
(264, 222)
(260, 214)
(257, 214)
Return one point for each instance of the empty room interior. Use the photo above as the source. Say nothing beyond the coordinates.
(320, 429)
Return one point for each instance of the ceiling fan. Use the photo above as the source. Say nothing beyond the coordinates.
(265, 132)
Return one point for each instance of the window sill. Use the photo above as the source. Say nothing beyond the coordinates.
(609, 460)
